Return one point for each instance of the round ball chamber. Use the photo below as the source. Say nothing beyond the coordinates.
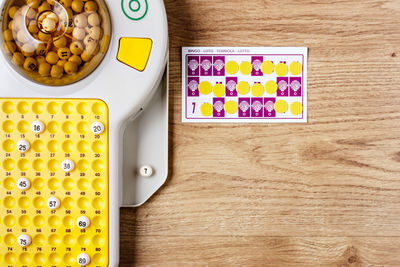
(55, 43)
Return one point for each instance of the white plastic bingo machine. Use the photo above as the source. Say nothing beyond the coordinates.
(83, 125)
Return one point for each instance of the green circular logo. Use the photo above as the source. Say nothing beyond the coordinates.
(135, 9)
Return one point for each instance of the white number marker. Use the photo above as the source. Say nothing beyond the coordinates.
(24, 240)
(67, 165)
(146, 171)
(23, 183)
(23, 146)
(53, 203)
(97, 127)
(37, 127)
(83, 259)
(83, 222)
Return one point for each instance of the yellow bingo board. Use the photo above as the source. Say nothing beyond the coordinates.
(54, 182)
(239, 84)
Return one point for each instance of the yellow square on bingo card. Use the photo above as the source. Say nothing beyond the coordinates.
(83, 125)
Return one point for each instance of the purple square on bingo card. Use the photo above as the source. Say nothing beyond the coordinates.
(193, 86)
(219, 104)
(295, 86)
(283, 86)
(193, 66)
(231, 83)
(206, 66)
(244, 107)
(256, 62)
(219, 66)
(269, 107)
(257, 107)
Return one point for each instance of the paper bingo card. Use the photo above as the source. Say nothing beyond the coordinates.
(239, 84)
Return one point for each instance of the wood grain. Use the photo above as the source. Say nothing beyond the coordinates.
(325, 193)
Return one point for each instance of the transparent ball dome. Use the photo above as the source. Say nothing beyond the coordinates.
(55, 43)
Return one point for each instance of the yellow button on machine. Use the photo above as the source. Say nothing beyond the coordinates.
(134, 52)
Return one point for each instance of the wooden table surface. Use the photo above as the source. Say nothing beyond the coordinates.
(325, 193)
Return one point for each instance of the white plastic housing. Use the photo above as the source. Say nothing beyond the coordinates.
(125, 90)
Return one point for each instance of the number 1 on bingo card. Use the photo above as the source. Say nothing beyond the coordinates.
(194, 107)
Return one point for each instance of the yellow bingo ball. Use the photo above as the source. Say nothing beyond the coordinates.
(32, 27)
(86, 57)
(12, 11)
(18, 59)
(8, 36)
(76, 48)
(33, 3)
(60, 42)
(9, 47)
(40, 59)
(61, 63)
(44, 7)
(71, 67)
(44, 69)
(91, 6)
(30, 64)
(64, 53)
(56, 71)
(76, 59)
(44, 36)
(66, 3)
(52, 58)
(77, 6)
(40, 50)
